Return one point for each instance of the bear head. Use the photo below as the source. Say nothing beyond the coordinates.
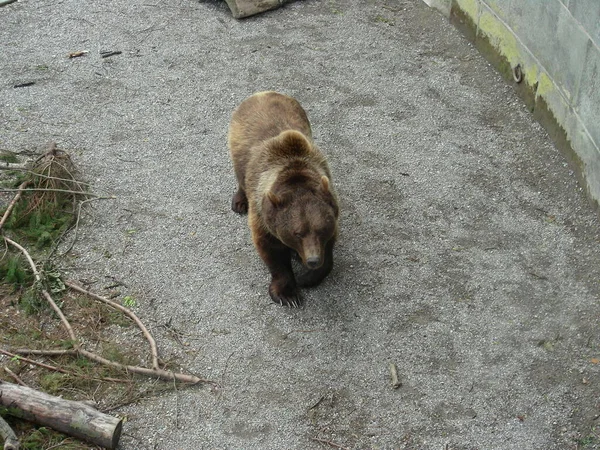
(301, 211)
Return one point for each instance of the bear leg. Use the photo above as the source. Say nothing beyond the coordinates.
(239, 202)
(310, 278)
(277, 257)
(284, 292)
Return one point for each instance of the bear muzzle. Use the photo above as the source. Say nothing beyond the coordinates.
(314, 262)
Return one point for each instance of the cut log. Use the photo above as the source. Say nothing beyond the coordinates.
(245, 8)
(69, 417)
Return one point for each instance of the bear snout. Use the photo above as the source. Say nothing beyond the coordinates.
(314, 262)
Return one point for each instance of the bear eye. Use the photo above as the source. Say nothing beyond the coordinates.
(298, 234)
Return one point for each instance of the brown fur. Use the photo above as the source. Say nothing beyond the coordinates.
(284, 184)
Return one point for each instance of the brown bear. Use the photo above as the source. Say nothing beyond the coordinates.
(285, 186)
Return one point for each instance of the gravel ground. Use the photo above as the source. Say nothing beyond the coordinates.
(468, 255)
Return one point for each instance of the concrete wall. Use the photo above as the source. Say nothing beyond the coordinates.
(557, 45)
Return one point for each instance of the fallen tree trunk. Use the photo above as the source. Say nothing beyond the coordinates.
(73, 418)
(245, 8)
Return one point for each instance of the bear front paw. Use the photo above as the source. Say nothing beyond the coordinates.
(239, 202)
(285, 294)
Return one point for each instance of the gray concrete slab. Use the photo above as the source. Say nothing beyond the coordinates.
(468, 255)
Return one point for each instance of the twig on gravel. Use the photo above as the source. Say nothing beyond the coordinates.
(225, 368)
(77, 54)
(176, 405)
(396, 383)
(108, 53)
(126, 311)
(25, 84)
(14, 376)
(331, 444)
(13, 203)
(317, 403)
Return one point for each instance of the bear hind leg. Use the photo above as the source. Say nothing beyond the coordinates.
(239, 202)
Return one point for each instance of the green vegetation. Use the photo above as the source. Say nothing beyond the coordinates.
(44, 213)
(8, 157)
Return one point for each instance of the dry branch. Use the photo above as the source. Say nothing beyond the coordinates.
(14, 376)
(73, 418)
(126, 311)
(166, 375)
(12, 204)
(64, 191)
(17, 353)
(396, 383)
(45, 293)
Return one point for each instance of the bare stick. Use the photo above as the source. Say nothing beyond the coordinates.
(31, 263)
(12, 166)
(63, 319)
(8, 436)
(396, 383)
(6, 2)
(15, 376)
(158, 373)
(45, 293)
(66, 191)
(41, 175)
(31, 351)
(26, 351)
(31, 361)
(13, 203)
(126, 311)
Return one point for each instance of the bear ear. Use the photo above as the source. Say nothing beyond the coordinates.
(274, 199)
(325, 184)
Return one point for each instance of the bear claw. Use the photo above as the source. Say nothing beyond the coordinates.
(289, 299)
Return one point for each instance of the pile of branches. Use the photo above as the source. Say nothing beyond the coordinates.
(50, 187)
